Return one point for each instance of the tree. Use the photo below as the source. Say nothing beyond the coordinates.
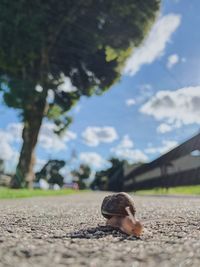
(116, 174)
(112, 178)
(50, 172)
(46, 42)
(2, 167)
(100, 181)
(81, 174)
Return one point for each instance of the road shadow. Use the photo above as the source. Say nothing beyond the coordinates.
(100, 232)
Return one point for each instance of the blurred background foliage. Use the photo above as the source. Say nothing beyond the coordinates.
(42, 43)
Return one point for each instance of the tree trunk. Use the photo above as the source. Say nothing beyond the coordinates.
(25, 176)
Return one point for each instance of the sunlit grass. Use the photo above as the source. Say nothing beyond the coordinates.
(180, 190)
(23, 193)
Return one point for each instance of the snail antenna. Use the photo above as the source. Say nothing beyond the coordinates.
(130, 214)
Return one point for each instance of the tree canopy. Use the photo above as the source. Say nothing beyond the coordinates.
(50, 172)
(44, 42)
(84, 40)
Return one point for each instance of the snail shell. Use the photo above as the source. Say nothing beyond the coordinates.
(116, 204)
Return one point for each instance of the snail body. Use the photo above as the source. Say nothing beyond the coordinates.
(126, 225)
(119, 210)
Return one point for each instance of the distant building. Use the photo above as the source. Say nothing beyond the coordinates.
(180, 166)
(5, 180)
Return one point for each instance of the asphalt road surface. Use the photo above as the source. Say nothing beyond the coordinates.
(70, 231)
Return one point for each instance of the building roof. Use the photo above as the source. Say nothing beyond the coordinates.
(179, 151)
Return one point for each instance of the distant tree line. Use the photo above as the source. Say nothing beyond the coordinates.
(110, 179)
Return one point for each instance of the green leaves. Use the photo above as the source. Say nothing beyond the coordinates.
(88, 41)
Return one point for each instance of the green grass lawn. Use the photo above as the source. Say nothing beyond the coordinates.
(180, 190)
(22, 193)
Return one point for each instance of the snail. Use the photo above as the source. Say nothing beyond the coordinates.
(119, 210)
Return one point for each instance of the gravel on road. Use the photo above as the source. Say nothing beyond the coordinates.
(70, 231)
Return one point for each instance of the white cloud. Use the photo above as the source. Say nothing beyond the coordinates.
(166, 146)
(51, 141)
(145, 91)
(11, 136)
(47, 138)
(164, 128)
(126, 142)
(66, 85)
(15, 131)
(131, 155)
(93, 136)
(130, 102)
(155, 44)
(176, 108)
(8, 150)
(172, 60)
(6, 146)
(124, 150)
(94, 160)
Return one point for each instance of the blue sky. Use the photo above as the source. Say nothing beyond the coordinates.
(155, 106)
